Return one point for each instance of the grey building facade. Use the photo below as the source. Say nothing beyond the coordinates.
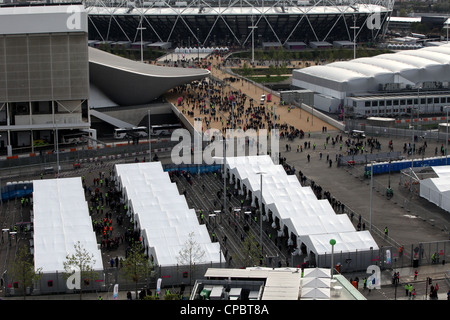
(44, 75)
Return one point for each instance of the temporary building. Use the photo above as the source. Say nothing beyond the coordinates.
(437, 190)
(317, 273)
(313, 282)
(315, 293)
(61, 221)
(344, 78)
(297, 213)
(164, 220)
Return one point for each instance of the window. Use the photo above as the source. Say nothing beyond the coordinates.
(436, 100)
(415, 101)
(430, 100)
(367, 104)
(402, 102)
(409, 102)
(375, 103)
(443, 100)
(422, 101)
(395, 102)
(382, 103)
(389, 102)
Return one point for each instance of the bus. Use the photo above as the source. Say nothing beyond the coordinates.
(74, 138)
(121, 133)
(164, 129)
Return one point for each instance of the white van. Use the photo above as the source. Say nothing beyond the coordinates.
(263, 99)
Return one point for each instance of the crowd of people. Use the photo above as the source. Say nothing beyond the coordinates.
(223, 107)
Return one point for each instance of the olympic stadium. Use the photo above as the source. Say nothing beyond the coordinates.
(237, 23)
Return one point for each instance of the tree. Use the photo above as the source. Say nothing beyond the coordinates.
(252, 251)
(191, 254)
(23, 270)
(136, 265)
(82, 261)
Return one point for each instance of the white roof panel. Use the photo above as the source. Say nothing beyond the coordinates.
(295, 206)
(162, 214)
(61, 219)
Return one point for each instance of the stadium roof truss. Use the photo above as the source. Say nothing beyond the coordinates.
(201, 22)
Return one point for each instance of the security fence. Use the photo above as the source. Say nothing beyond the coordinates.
(41, 162)
(391, 254)
(391, 257)
(396, 132)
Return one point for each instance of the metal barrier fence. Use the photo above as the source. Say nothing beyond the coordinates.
(412, 255)
(367, 158)
(397, 132)
(85, 155)
(391, 257)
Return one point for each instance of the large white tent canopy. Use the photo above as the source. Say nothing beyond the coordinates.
(437, 190)
(162, 214)
(61, 220)
(341, 78)
(313, 221)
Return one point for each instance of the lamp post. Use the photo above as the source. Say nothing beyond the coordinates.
(447, 25)
(332, 242)
(446, 137)
(412, 148)
(354, 36)
(260, 208)
(149, 138)
(142, 43)
(371, 190)
(253, 27)
(198, 47)
(224, 175)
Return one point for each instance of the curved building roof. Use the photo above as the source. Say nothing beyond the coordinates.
(128, 82)
(339, 79)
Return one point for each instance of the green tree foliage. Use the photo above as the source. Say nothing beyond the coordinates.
(23, 270)
(81, 261)
(136, 266)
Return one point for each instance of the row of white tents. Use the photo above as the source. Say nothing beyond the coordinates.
(201, 50)
(437, 190)
(164, 220)
(313, 222)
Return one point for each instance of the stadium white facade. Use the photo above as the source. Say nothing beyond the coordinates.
(230, 23)
(388, 84)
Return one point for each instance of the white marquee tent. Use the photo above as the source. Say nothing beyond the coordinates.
(342, 78)
(61, 220)
(312, 221)
(437, 190)
(162, 216)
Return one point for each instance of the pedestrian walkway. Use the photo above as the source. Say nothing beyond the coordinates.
(284, 114)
